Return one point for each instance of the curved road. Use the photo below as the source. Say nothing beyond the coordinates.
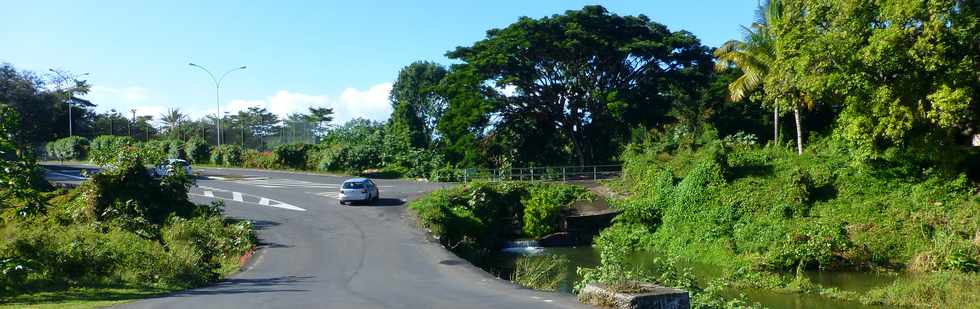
(315, 253)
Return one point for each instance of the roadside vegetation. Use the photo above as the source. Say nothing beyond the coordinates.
(835, 135)
(476, 218)
(359, 147)
(121, 235)
(763, 211)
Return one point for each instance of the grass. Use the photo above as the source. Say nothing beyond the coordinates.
(100, 296)
(752, 211)
(940, 290)
(543, 273)
(84, 297)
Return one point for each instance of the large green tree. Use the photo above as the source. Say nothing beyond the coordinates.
(572, 85)
(41, 103)
(416, 103)
(905, 73)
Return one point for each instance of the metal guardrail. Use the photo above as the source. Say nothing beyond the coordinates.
(544, 173)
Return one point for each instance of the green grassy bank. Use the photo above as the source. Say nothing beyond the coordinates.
(762, 211)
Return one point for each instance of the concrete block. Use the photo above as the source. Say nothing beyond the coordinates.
(648, 296)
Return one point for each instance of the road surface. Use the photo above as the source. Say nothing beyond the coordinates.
(315, 253)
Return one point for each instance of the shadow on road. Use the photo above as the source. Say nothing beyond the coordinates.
(382, 202)
(244, 286)
(259, 225)
(271, 245)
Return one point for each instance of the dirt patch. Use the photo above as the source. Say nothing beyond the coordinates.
(597, 206)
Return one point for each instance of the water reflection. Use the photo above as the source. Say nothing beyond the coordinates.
(502, 264)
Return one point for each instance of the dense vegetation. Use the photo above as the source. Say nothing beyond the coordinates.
(120, 230)
(879, 173)
(477, 217)
(761, 210)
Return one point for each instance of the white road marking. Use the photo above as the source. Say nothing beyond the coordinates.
(208, 193)
(213, 189)
(262, 201)
(69, 176)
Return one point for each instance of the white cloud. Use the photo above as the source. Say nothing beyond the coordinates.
(371, 103)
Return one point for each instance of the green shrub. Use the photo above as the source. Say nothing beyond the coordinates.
(154, 151)
(125, 191)
(258, 159)
(228, 155)
(544, 205)
(418, 163)
(104, 148)
(68, 148)
(479, 216)
(198, 150)
(121, 228)
(292, 156)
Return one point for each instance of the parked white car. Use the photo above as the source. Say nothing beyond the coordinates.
(164, 168)
(358, 190)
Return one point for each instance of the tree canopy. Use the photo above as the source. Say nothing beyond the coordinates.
(904, 73)
(569, 87)
(416, 104)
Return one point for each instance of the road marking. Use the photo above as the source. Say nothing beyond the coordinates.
(69, 176)
(237, 196)
(269, 202)
(208, 193)
(213, 189)
(285, 183)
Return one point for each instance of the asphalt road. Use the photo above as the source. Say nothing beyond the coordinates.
(315, 253)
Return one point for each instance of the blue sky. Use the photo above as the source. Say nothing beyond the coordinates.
(342, 54)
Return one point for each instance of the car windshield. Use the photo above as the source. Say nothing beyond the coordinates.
(353, 185)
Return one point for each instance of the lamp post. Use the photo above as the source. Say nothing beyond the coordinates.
(112, 130)
(132, 123)
(217, 92)
(68, 93)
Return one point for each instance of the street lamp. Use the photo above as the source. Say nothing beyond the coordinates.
(68, 95)
(131, 124)
(217, 92)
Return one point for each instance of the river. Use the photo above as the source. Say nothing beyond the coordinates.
(502, 264)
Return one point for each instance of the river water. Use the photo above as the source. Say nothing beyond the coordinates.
(502, 264)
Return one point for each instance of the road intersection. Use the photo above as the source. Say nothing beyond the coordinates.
(315, 253)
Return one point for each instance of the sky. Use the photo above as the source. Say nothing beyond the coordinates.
(340, 54)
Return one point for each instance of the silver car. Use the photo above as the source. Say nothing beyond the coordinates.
(358, 190)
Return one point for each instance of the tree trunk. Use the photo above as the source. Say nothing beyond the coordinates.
(799, 131)
(775, 123)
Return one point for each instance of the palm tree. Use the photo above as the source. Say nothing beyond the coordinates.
(171, 121)
(754, 56)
